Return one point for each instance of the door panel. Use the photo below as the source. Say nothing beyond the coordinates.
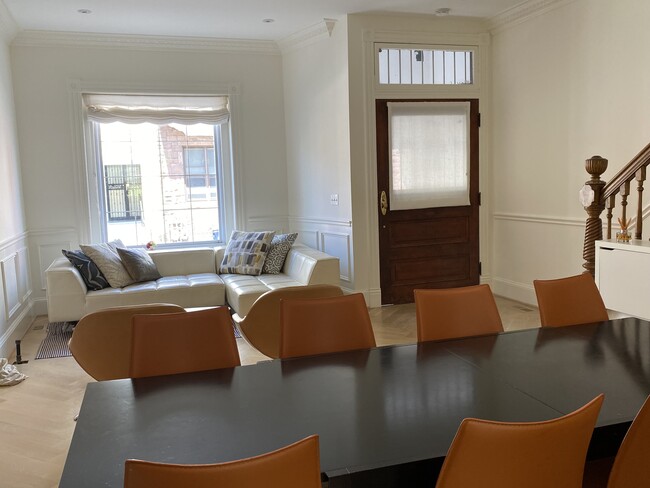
(433, 247)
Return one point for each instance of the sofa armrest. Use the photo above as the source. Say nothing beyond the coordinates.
(311, 267)
(219, 252)
(65, 291)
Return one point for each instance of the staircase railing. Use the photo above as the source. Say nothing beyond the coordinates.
(604, 197)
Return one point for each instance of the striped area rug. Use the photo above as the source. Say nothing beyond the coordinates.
(55, 344)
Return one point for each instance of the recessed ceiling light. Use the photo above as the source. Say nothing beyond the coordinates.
(268, 21)
(84, 11)
(443, 11)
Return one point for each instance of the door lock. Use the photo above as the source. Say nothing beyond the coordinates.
(383, 203)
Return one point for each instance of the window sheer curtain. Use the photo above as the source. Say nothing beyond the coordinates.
(157, 109)
(429, 154)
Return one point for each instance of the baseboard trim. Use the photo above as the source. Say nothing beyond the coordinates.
(513, 290)
(16, 330)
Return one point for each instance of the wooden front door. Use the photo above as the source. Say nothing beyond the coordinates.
(428, 195)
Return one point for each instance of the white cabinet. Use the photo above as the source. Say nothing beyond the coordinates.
(623, 276)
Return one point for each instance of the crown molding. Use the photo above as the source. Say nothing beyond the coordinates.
(35, 38)
(8, 26)
(307, 36)
(523, 12)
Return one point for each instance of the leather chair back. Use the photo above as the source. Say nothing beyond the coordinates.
(183, 343)
(261, 325)
(101, 341)
(311, 326)
(513, 455)
(569, 301)
(456, 312)
(631, 466)
(294, 466)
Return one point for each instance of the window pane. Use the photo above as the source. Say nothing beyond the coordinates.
(406, 66)
(157, 179)
(429, 154)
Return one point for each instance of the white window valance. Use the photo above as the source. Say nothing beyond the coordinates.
(157, 109)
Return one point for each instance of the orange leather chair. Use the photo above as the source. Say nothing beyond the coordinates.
(323, 325)
(101, 341)
(515, 455)
(261, 325)
(183, 342)
(569, 301)
(294, 466)
(632, 464)
(456, 312)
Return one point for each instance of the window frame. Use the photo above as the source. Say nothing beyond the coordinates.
(457, 89)
(88, 200)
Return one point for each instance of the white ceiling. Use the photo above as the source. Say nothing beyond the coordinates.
(232, 19)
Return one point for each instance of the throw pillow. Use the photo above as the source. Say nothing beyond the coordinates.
(280, 246)
(109, 263)
(139, 264)
(89, 271)
(246, 252)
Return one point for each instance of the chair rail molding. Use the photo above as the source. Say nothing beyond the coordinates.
(539, 219)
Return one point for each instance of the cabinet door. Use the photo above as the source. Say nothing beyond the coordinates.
(624, 281)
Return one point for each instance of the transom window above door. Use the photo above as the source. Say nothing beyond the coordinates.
(399, 65)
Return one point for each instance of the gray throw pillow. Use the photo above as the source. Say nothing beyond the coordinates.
(139, 264)
(109, 263)
(90, 273)
(280, 247)
(246, 252)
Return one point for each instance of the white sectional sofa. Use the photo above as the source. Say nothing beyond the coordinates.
(189, 279)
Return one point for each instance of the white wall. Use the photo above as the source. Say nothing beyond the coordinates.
(568, 84)
(42, 71)
(15, 313)
(315, 70)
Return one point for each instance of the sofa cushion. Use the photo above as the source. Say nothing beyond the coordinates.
(182, 262)
(242, 291)
(109, 262)
(246, 252)
(198, 290)
(90, 273)
(139, 264)
(280, 247)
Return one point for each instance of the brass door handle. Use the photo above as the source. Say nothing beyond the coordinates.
(383, 203)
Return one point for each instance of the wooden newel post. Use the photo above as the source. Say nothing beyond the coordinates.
(595, 166)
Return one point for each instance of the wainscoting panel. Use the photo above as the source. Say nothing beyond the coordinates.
(338, 244)
(15, 292)
(22, 273)
(10, 281)
(309, 238)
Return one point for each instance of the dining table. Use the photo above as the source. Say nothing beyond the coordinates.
(385, 417)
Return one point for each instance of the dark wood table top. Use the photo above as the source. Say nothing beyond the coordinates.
(373, 410)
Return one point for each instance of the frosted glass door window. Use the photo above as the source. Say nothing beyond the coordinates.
(429, 154)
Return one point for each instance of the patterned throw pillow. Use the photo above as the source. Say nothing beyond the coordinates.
(89, 271)
(139, 264)
(109, 263)
(280, 246)
(246, 252)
